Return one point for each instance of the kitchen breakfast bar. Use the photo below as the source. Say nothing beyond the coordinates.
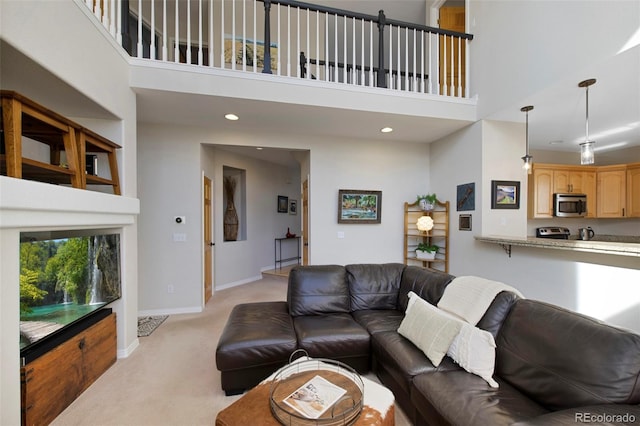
(604, 244)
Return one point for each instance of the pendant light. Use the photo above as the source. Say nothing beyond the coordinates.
(587, 155)
(528, 160)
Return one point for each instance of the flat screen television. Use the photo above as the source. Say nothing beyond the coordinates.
(66, 277)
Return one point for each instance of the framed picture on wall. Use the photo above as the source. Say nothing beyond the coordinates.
(293, 206)
(283, 204)
(505, 194)
(358, 206)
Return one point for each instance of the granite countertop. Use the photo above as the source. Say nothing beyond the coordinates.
(604, 244)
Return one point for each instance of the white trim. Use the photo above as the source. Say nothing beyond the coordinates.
(172, 311)
(124, 353)
(237, 283)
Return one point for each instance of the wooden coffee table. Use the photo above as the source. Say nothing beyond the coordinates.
(254, 407)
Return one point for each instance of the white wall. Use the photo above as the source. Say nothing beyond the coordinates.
(601, 286)
(399, 170)
(522, 62)
(170, 170)
(55, 37)
(170, 176)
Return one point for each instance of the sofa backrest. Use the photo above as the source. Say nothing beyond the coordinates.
(497, 312)
(317, 290)
(426, 283)
(563, 359)
(374, 286)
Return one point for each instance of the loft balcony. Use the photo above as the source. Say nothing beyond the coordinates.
(315, 44)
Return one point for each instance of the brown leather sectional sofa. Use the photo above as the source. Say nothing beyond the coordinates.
(553, 366)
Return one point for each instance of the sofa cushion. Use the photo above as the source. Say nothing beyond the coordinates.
(379, 320)
(374, 286)
(429, 328)
(335, 336)
(475, 351)
(402, 359)
(460, 398)
(317, 290)
(256, 334)
(429, 284)
(564, 359)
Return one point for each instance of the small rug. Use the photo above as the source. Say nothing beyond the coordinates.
(146, 325)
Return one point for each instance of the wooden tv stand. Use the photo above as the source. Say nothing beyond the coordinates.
(55, 379)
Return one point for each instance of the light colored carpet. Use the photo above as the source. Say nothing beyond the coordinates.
(171, 378)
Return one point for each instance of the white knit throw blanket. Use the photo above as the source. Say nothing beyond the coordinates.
(469, 297)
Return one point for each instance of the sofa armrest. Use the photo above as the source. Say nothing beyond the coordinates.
(608, 414)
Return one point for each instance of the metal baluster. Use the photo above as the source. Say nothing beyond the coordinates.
(139, 47)
(176, 42)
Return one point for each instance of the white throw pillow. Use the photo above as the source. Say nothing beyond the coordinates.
(475, 351)
(429, 328)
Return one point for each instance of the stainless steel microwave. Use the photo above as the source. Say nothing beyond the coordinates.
(569, 205)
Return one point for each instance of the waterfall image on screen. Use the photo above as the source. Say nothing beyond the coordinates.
(65, 279)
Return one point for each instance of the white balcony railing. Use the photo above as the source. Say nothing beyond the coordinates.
(304, 40)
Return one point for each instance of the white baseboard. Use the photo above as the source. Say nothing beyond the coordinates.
(124, 353)
(172, 311)
(237, 283)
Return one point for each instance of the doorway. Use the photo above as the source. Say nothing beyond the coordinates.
(208, 241)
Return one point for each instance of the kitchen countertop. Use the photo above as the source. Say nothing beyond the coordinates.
(604, 244)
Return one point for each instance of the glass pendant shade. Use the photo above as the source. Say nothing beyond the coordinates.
(587, 154)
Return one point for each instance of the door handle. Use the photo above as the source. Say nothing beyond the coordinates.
(212, 244)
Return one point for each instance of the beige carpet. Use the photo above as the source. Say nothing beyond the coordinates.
(171, 379)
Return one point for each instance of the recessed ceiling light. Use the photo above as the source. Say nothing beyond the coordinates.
(556, 142)
(259, 148)
(386, 130)
(231, 117)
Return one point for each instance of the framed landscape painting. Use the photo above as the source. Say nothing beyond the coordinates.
(358, 206)
(505, 194)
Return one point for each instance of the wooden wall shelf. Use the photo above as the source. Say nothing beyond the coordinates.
(22, 117)
(439, 235)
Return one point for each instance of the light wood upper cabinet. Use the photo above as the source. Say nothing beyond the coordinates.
(548, 179)
(611, 191)
(541, 184)
(633, 190)
(577, 180)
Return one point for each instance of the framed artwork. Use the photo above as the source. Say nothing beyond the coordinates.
(505, 194)
(358, 206)
(283, 204)
(464, 222)
(466, 197)
(293, 206)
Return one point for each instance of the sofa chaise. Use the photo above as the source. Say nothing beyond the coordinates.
(552, 366)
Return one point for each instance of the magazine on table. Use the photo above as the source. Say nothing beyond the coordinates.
(314, 397)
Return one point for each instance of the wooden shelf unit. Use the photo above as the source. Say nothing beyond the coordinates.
(439, 235)
(22, 117)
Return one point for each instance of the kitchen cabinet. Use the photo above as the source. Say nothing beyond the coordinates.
(633, 190)
(547, 179)
(541, 184)
(611, 191)
(577, 180)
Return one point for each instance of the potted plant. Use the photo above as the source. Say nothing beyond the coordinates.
(426, 251)
(427, 202)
